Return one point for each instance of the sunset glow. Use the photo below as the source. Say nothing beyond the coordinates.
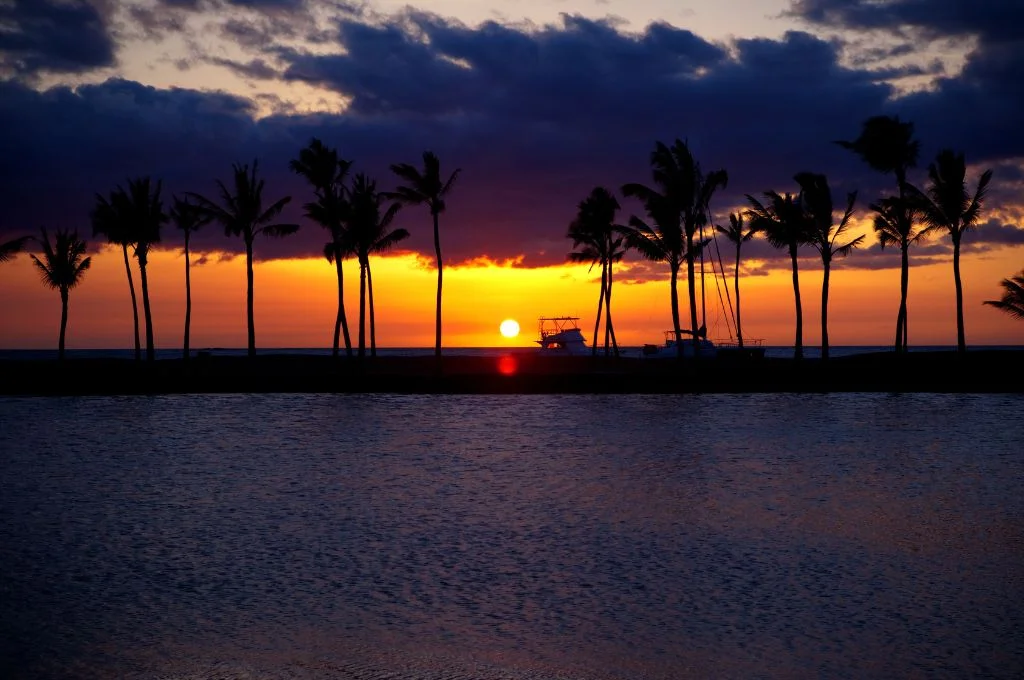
(509, 328)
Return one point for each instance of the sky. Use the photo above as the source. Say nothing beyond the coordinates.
(537, 103)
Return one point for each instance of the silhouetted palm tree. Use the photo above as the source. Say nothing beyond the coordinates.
(662, 240)
(188, 219)
(946, 205)
(887, 145)
(242, 213)
(1012, 301)
(326, 172)
(824, 236)
(599, 241)
(146, 214)
(894, 222)
(369, 231)
(110, 219)
(62, 268)
(427, 188)
(10, 248)
(785, 225)
(681, 181)
(739, 234)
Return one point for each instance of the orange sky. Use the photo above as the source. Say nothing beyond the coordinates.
(295, 303)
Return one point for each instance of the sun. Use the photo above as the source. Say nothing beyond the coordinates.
(509, 328)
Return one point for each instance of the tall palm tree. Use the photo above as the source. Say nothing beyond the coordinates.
(427, 187)
(785, 225)
(824, 236)
(894, 223)
(887, 145)
(62, 268)
(947, 205)
(738, 233)
(109, 219)
(188, 219)
(661, 240)
(1012, 301)
(370, 233)
(242, 213)
(599, 240)
(9, 249)
(327, 172)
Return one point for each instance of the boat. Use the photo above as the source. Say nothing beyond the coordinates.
(753, 348)
(704, 349)
(561, 335)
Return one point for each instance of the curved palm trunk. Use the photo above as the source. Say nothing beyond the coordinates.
(144, 281)
(63, 323)
(798, 352)
(736, 285)
(901, 318)
(373, 321)
(248, 297)
(188, 301)
(440, 276)
(961, 343)
(135, 304)
(824, 310)
(341, 321)
(609, 327)
(691, 285)
(597, 319)
(675, 309)
(362, 308)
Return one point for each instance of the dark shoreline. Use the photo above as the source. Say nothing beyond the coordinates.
(991, 371)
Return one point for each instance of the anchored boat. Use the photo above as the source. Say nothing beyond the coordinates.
(561, 335)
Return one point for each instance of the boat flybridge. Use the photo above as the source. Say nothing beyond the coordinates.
(561, 335)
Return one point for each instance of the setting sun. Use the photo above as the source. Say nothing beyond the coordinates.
(509, 328)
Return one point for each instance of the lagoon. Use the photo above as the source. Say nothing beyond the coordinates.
(512, 536)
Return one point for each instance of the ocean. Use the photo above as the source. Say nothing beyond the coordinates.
(520, 536)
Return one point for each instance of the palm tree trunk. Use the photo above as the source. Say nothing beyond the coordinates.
(961, 343)
(341, 323)
(691, 284)
(373, 320)
(63, 322)
(736, 284)
(675, 309)
(135, 304)
(798, 352)
(824, 310)
(248, 298)
(440, 276)
(597, 319)
(188, 301)
(606, 269)
(901, 318)
(608, 311)
(144, 280)
(362, 309)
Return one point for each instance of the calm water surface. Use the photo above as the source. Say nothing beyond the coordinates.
(373, 536)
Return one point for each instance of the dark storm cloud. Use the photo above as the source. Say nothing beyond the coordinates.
(58, 36)
(535, 116)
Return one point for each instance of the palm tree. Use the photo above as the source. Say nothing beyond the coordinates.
(947, 205)
(109, 219)
(1012, 301)
(599, 241)
(10, 248)
(188, 219)
(887, 145)
(427, 188)
(242, 214)
(62, 268)
(894, 224)
(816, 198)
(738, 233)
(326, 172)
(785, 225)
(662, 240)
(370, 232)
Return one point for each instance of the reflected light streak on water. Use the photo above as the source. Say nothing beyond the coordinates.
(512, 536)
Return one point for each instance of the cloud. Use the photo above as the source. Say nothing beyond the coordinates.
(53, 36)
